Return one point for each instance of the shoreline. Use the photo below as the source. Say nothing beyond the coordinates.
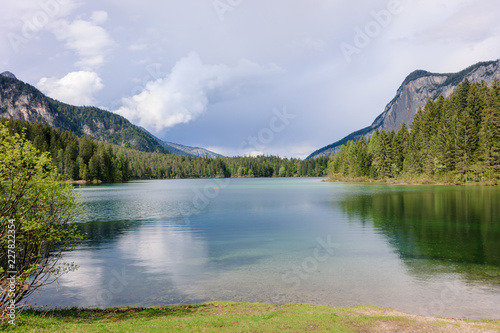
(82, 182)
(96, 182)
(405, 181)
(244, 317)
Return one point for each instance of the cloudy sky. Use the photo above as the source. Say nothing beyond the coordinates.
(240, 76)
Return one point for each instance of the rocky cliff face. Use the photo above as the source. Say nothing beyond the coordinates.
(25, 107)
(16, 102)
(416, 90)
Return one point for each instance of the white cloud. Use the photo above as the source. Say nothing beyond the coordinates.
(137, 47)
(77, 88)
(89, 40)
(311, 43)
(186, 92)
(23, 22)
(99, 17)
(17, 14)
(471, 23)
(254, 153)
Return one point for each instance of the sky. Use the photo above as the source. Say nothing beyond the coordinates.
(242, 77)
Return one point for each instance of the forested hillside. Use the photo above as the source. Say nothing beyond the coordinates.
(454, 140)
(19, 100)
(82, 158)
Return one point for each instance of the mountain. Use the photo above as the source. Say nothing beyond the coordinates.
(9, 75)
(416, 90)
(178, 149)
(19, 100)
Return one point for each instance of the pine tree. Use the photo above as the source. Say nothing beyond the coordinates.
(460, 96)
(400, 146)
(362, 161)
(467, 140)
(382, 155)
(489, 136)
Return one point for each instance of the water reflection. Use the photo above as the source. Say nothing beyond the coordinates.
(454, 229)
(147, 263)
(137, 201)
(100, 233)
(160, 242)
(176, 253)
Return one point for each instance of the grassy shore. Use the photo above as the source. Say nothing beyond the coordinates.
(414, 180)
(241, 317)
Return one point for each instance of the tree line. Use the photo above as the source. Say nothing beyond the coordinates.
(452, 140)
(83, 158)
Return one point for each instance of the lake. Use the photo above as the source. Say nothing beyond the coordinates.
(430, 250)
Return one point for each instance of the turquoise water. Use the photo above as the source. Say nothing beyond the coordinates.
(428, 250)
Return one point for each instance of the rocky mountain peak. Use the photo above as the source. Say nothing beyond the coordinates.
(9, 75)
(415, 75)
(414, 92)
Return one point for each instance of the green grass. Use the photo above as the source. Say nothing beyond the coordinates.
(231, 317)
